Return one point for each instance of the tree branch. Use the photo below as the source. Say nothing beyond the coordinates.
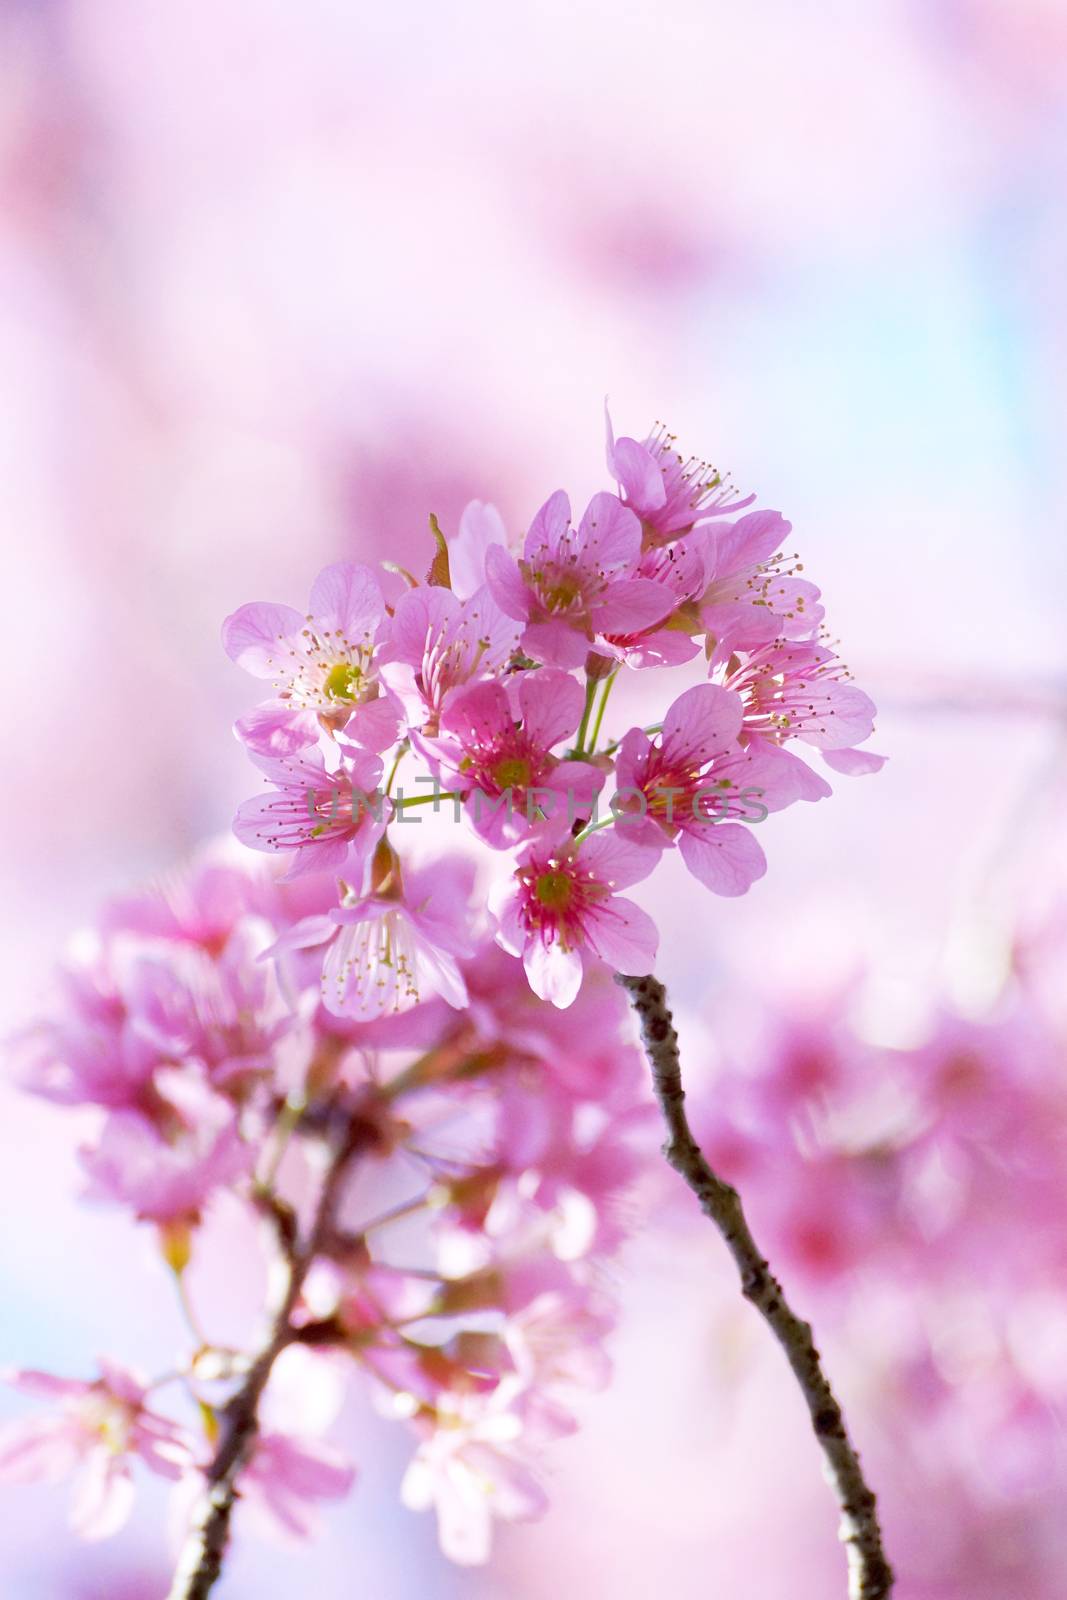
(870, 1576)
(202, 1554)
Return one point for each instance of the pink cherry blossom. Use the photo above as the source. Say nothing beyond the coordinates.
(222, 1010)
(326, 821)
(679, 568)
(583, 1053)
(670, 494)
(571, 1167)
(200, 903)
(562, 901)
(801, 690)
(753, 594)
(97, 1429)
(497, 750)
(557, 1345)
(686, 783)
(439, 642)
(574, 583)
(131, 1005)
(90, 1051)
(322, 665)
(387, 950)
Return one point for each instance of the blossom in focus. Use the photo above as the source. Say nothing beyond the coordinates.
(497, 751)
(446, 1026)
(685, 785)
(753, 594)
(561, 901)
(670, 493)
(438, 642)
(679, 569)
(326, 821)
(321, 665)
(389, 949)
(574, 583)
(800, 690)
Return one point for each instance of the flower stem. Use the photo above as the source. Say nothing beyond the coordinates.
(595, 735)
(400, 754)
(590, 694)
(286, 1125)
(189, 1310)
(204, 1549)
(427, 799)
(870, 1576)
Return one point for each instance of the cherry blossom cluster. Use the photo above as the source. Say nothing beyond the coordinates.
(413, 1067)
(461, 1271)
(493, 677)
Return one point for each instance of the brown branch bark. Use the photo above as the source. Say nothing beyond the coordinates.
(870, 1576)
(204, 1549)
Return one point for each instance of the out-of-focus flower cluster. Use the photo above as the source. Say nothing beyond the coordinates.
(228, 1026)
(916, 1193)
(461, 1274)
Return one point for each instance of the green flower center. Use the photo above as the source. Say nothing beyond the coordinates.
(562, 594)
(511, 772)
(342, 681)
(554, 890)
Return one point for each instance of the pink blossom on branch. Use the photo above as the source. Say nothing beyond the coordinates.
(388, 950)
(325, 820)
(574, 583)
(670, 493)
(496, 750)
(469, 1471)
(689, 782)
(322, 665)
(438, 642)
(561, 904)
(165, 1165)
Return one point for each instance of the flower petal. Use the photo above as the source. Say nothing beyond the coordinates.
(347, 598)
(635, 469)
(854, 763)
(548, 529)
(259, 637)
(631, 605)
(504, 582)
(554, 974)
(616, 861)
(551, 703)
(622, 935)
(701, 724)
(724, 857)
(480, 526)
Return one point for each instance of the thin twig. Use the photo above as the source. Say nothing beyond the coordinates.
(870, 1576)
(201, 1557)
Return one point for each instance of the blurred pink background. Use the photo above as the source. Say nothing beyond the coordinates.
(276, 280)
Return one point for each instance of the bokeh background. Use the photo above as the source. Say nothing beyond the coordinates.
(276, 279)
